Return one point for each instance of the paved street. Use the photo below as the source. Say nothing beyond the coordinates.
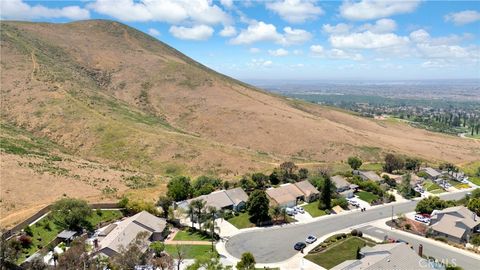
(438, 252)
(270, 245)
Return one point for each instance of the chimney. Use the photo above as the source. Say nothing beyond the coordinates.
(420, 250)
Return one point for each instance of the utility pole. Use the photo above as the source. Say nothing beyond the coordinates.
(391, 224)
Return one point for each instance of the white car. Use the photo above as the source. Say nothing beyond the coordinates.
(290, 211)
(423, 219)
(311, 239)
(299, 209)
(464, 181)
(354, 203)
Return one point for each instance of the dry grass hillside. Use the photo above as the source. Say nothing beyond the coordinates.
(104, 94)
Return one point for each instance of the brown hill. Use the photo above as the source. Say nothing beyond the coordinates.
(105, 93)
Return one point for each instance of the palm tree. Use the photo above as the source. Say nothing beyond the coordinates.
(210, 224)
(191, 213)
(198, 205)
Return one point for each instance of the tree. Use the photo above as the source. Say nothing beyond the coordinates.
(359, 255)
(179, 188)
(303, 173)
(474, 205)
(247, 262)
(412, 164)
(354, 162)
(393, 163)
(288, 169)
(260, 179)
(157, 247)
(258, 206)
(133, 254)
(10, 251)
(179, 255)
(76, 257)
(326, 196)
(35, 264)
(211, 226)
(72, 213)
(164, 202)
(478, 172)
(205, 185)
(198, 205)
(137, 206)
(276, 212)
(427, 205)
(274, 178)
(247, 183)
(165, 262)
(405, 188)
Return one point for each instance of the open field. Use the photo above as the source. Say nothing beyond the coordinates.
(107, 106)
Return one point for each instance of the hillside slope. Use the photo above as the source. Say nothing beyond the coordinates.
(109, 94)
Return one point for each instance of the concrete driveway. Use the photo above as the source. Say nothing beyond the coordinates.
(275, 244)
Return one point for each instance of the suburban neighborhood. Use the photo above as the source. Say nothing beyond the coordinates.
(207, 221)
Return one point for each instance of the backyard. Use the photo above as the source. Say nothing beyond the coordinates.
(345, 249)
(46, 230)
(312, 209)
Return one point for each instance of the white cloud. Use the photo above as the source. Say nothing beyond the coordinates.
(318, 50)
(296, 11)
(254, 50)
(261, 31)
(297, 52)
(419, 36)
(367, 40)
(170, 11)
(260, 63)
(294, 36)
(255, 32)
(19, 10)
(198, 32)
(439, 63)
(380, 26)
(340, 28)
(228, 31)
(463, 17)
(375, 9)
(227, 3)
(278, 52)
(153, 32)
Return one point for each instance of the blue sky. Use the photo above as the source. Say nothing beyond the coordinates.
(296, 39)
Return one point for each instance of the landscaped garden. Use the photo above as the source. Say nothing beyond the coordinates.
(337, 249)
(432, 187)
(312, 209)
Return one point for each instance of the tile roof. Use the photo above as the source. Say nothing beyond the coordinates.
(340, 181)
(447, 220)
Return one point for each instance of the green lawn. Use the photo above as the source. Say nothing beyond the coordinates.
(337, 253)
(104, 216)
(312, 209)
(190, 251)
(474, 179)
(371, 167)
(432, 187)
(241, 221)
(45, 230)
(191, 235)
(367, 196)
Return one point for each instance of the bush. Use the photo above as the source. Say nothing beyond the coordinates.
(475, 240)
(25, 240)
(441, 239)
(99, 212)
(354, 232)
(47, 226)
(408, 226)
(28, 231)
(360, 234)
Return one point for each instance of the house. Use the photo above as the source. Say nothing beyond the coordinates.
(414, 179)
(234, 199)
(340, 182)
(386, 256)
(455, 223)
(112, 239)
(431, 172)
(368, 175)
(309, 191)
(288, 195)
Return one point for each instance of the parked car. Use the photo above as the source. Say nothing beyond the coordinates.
(353, 202)
(299, 209)
(290, 211)
(464, 181)
(311, 239)
(299, 246)
(422, 218)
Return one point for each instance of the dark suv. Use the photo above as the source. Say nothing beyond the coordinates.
(299, 246)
